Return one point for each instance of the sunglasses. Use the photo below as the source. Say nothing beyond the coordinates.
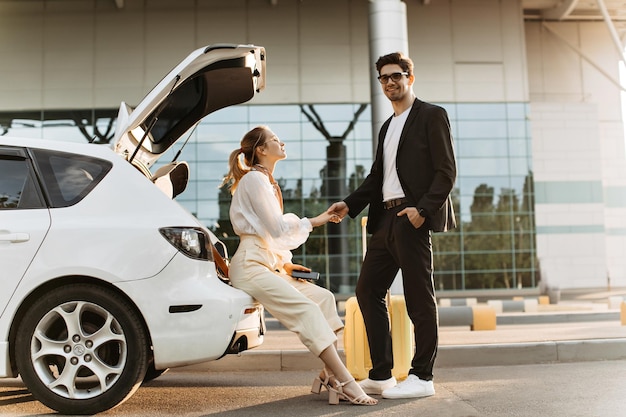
(395, 77)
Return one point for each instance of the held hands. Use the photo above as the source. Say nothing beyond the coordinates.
(339, 209)
(324, 218)
(335, 214)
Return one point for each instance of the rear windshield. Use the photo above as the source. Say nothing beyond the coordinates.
(221, 84)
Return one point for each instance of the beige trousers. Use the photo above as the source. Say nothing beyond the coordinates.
(304, 308)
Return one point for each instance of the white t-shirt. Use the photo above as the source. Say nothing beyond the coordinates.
(392, 188)
(255, 210)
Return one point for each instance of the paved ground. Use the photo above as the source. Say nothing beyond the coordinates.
(577, 389)
(567, 359)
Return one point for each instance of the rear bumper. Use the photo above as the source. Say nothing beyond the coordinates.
(249, 332)
(192, 316)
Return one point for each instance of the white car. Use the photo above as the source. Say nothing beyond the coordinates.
(106, 280)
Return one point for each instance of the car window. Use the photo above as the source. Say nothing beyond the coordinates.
(18, 189)
(69, 177)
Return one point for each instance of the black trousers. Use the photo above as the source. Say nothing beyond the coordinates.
(398, 245)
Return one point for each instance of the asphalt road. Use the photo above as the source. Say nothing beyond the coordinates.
(584, 389)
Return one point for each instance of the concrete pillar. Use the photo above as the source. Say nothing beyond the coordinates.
(387, 33)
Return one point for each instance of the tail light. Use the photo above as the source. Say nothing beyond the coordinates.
(191, 241)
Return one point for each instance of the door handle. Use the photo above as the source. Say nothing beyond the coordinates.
(14, 237)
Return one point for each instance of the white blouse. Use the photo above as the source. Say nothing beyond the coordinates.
(255, 210)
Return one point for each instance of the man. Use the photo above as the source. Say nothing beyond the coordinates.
(408, 193)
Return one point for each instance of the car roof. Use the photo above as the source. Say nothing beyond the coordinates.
(98, 150)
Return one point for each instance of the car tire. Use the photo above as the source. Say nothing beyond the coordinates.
(81, 349)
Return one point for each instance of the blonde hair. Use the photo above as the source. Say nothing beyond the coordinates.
(236, 169)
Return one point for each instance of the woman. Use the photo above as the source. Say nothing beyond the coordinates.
(262, 266)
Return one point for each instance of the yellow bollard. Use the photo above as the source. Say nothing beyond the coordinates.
(544, 300)
(484, 318)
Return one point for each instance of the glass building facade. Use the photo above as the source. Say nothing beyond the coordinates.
(330, 151)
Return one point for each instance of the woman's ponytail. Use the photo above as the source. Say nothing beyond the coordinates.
(236, 169)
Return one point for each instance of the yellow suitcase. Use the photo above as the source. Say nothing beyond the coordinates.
(355, 344)
(401, 336)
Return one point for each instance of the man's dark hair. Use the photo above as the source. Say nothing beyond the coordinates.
(395, 58)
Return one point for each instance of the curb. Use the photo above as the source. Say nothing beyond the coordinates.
(447, 356)
(569, 317)
(531, 353)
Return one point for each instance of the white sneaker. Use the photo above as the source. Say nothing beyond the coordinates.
(375, 387)
(411, 387)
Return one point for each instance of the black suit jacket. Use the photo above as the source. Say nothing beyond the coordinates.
(426, 168)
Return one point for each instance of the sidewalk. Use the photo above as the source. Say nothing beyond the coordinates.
(579, 329)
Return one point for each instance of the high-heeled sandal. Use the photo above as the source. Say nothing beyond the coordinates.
(336, 393)
(324, 379)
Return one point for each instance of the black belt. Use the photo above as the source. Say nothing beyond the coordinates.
(389, 204)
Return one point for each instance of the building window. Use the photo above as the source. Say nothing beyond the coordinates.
(329, 148)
